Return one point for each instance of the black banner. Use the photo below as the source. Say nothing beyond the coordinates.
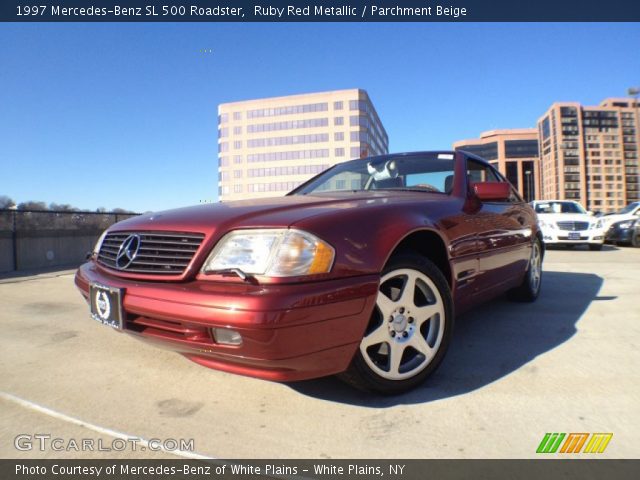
(319, 11)
(319, 469)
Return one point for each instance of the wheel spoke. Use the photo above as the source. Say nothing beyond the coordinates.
(379, 335)
(418, 342)
(395, 357)
(422, 314)
(409, 290)
(385, 304)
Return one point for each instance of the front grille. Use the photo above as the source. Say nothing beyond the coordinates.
(166, 253)
(573, 226)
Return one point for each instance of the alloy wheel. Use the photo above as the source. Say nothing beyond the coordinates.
(535, 267)
(408, 325)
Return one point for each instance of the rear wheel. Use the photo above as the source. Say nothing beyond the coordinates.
(409, 331)
(529, 289)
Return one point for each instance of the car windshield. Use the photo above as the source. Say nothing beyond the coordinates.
(428, 172)
(559, 207)
(629, 208)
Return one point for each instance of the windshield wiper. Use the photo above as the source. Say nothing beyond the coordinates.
(229, 271)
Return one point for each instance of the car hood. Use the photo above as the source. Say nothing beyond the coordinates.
(566, 217)
(617, 217)
(261, 213)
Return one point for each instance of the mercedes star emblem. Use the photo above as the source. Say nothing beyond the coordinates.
(128, 251)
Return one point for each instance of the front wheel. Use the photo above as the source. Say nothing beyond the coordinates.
(635, 239)
(409, 331)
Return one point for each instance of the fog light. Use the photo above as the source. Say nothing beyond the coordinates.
(226, 336)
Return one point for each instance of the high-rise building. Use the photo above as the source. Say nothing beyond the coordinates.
(269, 146)
(514, 153)
(590, 154)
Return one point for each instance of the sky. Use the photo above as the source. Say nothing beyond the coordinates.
(125, 115)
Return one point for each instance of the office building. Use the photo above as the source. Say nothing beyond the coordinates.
(269, 146)
(590, 154)
(514, 153)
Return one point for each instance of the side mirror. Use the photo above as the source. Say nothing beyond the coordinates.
(492, 191)
(591, 213)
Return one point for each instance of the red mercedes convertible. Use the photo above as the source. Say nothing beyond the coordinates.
(357, 272)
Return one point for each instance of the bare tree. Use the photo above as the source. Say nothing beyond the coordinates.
(32, 205)
(62, 207)
(6, 202)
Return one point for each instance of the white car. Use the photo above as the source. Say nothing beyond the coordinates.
(565, 222)
(630, 212)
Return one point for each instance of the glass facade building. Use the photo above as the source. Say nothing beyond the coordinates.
(269, 146)
(514, 153)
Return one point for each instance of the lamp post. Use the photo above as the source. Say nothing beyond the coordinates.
(527, 174)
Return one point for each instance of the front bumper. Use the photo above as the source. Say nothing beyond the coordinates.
(290, 332)
(619, 235)
(564, 237)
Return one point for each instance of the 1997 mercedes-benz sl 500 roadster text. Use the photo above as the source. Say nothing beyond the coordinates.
(357, 272)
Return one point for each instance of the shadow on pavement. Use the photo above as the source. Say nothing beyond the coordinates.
(489, 343)
(22, 275)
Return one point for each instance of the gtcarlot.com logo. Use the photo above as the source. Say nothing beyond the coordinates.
(44, 442)
(574, 442)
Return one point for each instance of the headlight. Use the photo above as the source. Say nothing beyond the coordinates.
(597, 224)
(96, 247)
(276, 253)
(546, 224)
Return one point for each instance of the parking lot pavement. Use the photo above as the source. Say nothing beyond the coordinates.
(568, 363)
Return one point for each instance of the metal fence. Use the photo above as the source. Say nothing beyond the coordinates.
(33, 239)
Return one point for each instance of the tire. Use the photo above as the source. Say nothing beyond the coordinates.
(596, 247)
(529, 289)
(409, 331)
(635, 239)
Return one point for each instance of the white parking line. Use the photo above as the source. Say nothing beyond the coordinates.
(97, 428)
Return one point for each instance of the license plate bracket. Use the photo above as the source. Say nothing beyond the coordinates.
(574, 235)
(106, 305)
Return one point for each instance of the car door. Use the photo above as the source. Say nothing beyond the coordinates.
(503, 232)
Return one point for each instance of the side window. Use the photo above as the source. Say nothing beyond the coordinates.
(478, 172)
